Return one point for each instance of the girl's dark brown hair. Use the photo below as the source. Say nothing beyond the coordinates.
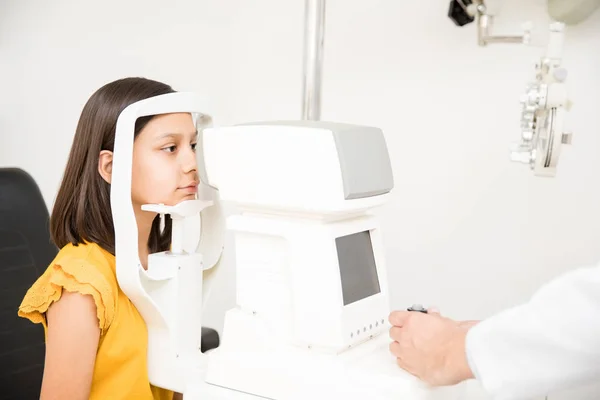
(82, 211)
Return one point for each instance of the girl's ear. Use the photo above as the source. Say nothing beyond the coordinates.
(105, 165)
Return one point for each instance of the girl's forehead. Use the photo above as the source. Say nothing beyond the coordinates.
(179, 123)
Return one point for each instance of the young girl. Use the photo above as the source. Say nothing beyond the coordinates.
(96, 341)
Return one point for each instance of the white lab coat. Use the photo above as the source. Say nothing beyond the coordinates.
(548, 344)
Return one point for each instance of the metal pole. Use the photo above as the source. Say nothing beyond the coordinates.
(314, 30)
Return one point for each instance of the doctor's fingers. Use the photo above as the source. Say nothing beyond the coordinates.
(399, 318)
(397, 333)
(396, 350)
(402, 344)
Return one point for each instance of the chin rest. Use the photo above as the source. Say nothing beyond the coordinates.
(26, 251)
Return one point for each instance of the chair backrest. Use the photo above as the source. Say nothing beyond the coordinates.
(25, 253)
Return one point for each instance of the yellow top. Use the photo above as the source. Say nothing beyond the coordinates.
(121, 370)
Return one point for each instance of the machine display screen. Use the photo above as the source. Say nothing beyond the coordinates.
(357, 267)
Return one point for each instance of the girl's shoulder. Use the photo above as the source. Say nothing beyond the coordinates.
(86, 269)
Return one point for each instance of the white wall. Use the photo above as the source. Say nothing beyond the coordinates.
(467, 230)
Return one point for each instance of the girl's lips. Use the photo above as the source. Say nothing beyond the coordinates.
(190, 189)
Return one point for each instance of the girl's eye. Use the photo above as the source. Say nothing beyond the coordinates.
(194, 146)
(170, 149)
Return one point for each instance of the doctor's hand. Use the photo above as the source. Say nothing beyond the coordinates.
(430, 346)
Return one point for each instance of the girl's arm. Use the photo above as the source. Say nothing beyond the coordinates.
(71, 346)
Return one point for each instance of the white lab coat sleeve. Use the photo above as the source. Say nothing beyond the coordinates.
(548, 344)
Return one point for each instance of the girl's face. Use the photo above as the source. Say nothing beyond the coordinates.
(164, 161)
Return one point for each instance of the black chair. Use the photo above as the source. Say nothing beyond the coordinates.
(25, 253)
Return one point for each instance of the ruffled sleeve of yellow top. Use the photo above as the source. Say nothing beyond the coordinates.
(121, 370)
(80, 269)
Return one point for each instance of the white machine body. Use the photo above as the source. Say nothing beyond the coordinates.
(299, 214)
(288, 278)
(311, 289)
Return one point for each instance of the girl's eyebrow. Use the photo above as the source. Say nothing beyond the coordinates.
(194, 134)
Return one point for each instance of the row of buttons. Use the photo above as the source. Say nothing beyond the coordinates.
(365, 328)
